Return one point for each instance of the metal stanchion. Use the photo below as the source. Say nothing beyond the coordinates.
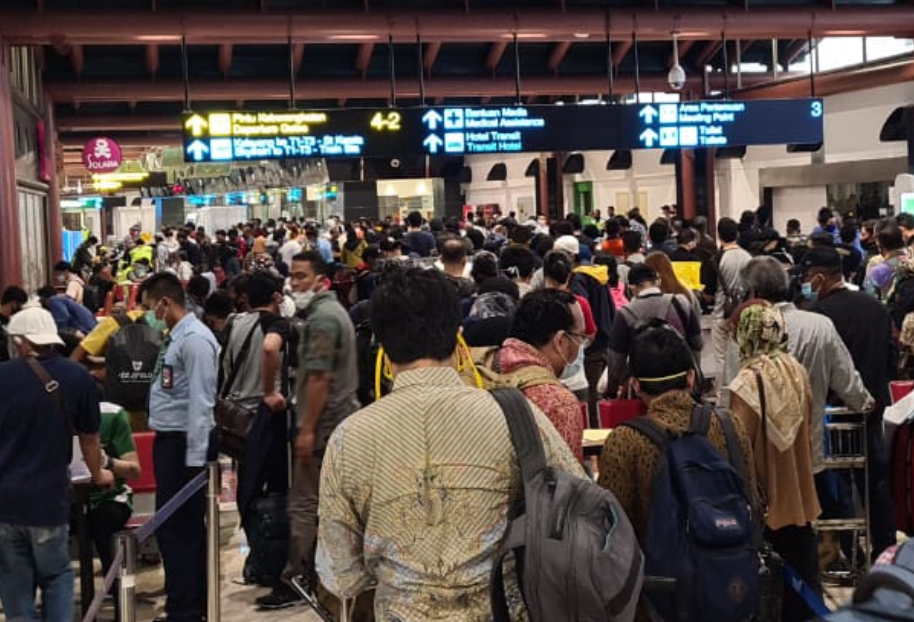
(126, 585)
(213, 574)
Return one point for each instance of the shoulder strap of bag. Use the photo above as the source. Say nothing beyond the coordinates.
(524, 433)
(531, 456)
(738, 461)
(122, 319)
(734, 449)
(53, 389)
(701, 419)
(655, 433)
(764, 406)
(680, 312)
(720, 276)
(236, 363)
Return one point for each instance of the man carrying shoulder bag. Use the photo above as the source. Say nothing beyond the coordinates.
(255, 386)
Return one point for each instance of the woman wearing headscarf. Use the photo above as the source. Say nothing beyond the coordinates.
(772, 398)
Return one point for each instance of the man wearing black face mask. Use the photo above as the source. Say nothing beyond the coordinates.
(12, 299)
(866, 329)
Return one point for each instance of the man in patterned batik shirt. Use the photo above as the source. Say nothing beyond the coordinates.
(416, 488)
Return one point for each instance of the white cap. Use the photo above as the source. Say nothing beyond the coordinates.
(36, 324)
(567, 244)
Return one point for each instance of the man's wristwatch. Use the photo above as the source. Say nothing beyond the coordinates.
(109, 464)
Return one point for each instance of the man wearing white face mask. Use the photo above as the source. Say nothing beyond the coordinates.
(548, 332)
(328, 379)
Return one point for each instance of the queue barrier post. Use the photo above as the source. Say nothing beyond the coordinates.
(213, 570)
(126, 585)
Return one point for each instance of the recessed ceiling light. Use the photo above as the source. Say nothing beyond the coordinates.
(353, 37)
(582, 35)
(526, 35)
(158, 38)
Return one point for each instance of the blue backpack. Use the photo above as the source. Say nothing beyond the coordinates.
(701, 561)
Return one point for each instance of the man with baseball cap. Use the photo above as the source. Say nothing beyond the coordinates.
(46, 399)
(865, 327)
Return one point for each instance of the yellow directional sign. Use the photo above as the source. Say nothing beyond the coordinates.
(196, 124)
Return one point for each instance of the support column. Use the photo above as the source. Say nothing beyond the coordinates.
(11, 248)
(685, 184)
(55, 221)
(695, 184)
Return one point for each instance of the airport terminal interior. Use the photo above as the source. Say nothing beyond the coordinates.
(165, 163)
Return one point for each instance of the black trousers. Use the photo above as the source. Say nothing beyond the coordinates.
(182, 538)
(797, 546)
(103, 522)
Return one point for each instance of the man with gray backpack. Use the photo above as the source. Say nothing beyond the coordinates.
(421, 491)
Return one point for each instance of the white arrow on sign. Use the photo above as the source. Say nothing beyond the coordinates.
(648, 113)
(433, 142)
(432, 118)
(196, 149)
(196, 124)
(648, 137)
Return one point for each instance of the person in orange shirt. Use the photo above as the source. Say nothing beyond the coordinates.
(612, 244)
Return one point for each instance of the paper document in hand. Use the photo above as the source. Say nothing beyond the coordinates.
(79, 470)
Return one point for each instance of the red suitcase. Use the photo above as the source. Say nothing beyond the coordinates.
(900, 388)
(903, 477)
(618, 411)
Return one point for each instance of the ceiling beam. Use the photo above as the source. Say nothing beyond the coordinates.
(363, 59)
(30, 27)
(496, 51)
(225, 59)
(77, 60)
(620, 51)
(278, 90)
(559, 51)
(794, 50)
(831, 83)
(430, 55)
(150, 141)
(152, 59)
(707, 52)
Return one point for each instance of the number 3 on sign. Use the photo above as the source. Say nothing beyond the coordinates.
(815, 109)
(389, 121)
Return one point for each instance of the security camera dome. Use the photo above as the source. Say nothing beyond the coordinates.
(676, 77)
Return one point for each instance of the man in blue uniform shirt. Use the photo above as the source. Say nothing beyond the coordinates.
(181, 401)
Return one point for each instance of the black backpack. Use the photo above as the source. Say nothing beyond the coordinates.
(366, 347)
(130, 362)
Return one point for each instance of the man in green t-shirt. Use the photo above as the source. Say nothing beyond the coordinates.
(110, 508)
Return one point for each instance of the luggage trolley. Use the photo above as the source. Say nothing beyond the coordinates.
(846, 450)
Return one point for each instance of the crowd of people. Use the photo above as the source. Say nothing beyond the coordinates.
(360, 351)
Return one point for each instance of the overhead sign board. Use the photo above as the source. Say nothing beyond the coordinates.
(469, 130)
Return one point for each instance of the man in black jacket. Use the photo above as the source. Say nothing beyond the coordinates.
(591, 282)
(866, 329)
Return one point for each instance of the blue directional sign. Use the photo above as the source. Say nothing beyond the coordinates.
(730, 123)
(469, 130)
